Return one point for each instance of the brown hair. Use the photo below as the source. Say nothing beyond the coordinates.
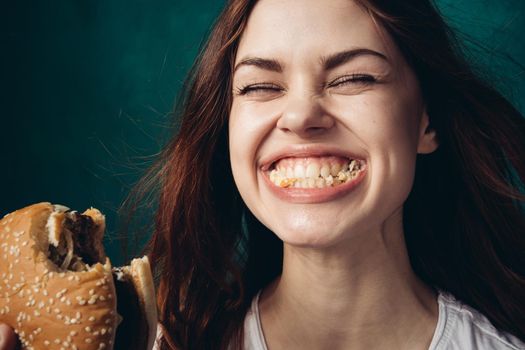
(463, 220)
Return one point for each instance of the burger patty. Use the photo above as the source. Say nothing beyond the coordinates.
(80, 226)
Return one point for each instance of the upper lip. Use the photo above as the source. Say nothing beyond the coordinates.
(309, 150)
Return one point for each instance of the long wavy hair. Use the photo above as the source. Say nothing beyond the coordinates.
(464, 222)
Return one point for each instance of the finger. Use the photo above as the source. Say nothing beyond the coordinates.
(7, 337)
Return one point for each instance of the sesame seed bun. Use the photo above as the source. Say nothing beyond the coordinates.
(58, 289)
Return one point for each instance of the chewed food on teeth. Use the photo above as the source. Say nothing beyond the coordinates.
(315, 173)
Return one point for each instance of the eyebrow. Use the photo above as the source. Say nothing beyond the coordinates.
(328, 62)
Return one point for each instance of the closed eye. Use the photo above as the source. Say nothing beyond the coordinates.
(258, 88)
(360, 79)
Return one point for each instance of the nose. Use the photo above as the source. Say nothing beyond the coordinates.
(304, 116)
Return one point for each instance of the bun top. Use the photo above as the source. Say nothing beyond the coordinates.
(50, 307)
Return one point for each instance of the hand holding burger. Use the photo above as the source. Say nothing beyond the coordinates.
(59, 290)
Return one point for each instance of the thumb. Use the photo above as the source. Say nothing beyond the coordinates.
(7, 337)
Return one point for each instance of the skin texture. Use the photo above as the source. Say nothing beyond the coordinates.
(346, 281)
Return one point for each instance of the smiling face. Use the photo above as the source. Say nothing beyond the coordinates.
(315, 86)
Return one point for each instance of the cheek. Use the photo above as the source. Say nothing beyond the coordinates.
(248, 126)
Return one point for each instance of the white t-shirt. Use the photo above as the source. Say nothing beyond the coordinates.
(459, 327)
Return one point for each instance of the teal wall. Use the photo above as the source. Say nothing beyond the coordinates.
(87, 87)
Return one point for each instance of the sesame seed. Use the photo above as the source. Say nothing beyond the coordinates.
(91, 291)
(46, 342)
(73, 333)
(88, 329)
(57, 341)
(88, 340)
(91, 318)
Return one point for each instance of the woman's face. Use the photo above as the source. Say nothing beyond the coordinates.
(316, 85)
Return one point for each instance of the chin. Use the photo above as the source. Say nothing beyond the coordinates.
(308, 236)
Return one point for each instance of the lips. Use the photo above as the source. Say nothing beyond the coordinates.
(282, 172)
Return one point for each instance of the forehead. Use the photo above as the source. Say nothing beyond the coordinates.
(304, 28)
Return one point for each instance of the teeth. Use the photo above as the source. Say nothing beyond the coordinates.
(353, 163)
(335, 169)
(299, 171)
(325, 171)
(311, 182)
(312, 170)
(315, 175)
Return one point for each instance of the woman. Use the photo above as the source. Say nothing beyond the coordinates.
(341, 179)
(433, 214)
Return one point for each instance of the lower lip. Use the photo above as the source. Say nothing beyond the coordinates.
(314, 195)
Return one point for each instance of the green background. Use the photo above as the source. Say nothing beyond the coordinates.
(87, 87)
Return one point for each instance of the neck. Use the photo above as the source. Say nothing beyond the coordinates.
(357, 294)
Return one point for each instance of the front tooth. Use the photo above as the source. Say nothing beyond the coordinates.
(289, 172)
(335, 169)
(325, 171)
(320, 183)
(311, 182)
(299, 171)
(312, 170)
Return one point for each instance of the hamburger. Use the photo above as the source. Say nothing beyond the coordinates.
(58, 289)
